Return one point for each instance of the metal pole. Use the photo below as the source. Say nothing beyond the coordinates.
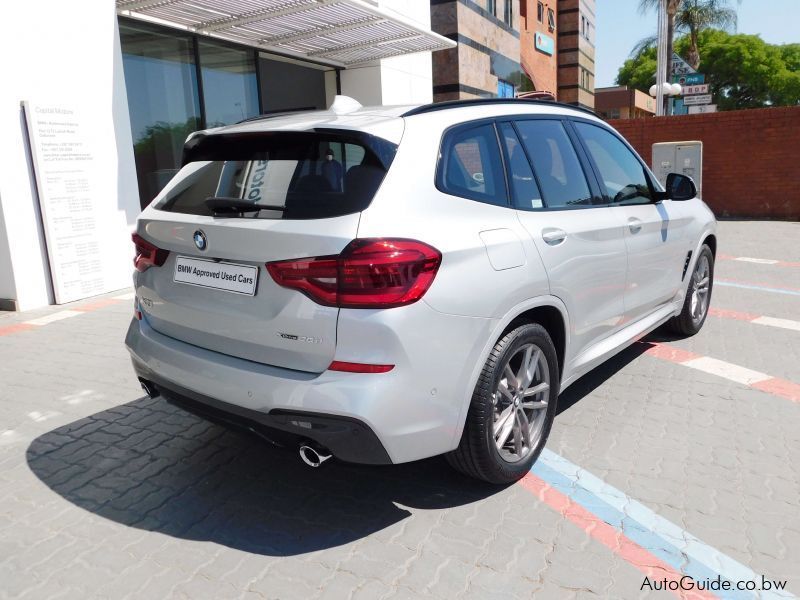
(661, 70)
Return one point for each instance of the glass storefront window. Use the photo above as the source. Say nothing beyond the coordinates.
(307, 90)
(230, 88)
(163, 101)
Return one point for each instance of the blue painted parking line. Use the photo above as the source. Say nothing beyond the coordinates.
(758, 287)
(672, 544)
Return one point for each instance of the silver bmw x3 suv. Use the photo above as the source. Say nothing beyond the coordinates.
(387, 284)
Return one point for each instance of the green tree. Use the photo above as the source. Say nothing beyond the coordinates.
(743, 70)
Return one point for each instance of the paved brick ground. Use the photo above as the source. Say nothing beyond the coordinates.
(104, 493)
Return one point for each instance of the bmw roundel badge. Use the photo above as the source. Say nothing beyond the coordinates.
(200, 240)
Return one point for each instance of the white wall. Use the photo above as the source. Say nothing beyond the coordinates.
(398, 80)
(55, 51)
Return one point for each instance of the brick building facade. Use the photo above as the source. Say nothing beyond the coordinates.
(576, 35)
(486, 62)
(539, 44)
(510, 46)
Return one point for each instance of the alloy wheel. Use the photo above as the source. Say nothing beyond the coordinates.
(701, 285)
(520, 403)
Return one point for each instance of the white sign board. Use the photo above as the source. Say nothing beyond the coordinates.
(680, 66)
(703, 108)
(691, 90)
(695, 100)
(65, 162)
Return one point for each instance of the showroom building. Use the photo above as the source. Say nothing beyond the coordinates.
(97, 104)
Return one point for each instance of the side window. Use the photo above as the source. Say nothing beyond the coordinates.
(524, 189)
(471, 166)
(624, 178)
(555, 162)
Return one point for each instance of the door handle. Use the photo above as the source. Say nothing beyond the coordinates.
(553, 236)
(634, 224)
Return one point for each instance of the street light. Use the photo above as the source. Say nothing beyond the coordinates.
(662, 58)
(667, 89)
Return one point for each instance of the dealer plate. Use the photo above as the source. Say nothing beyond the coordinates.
(225, 276)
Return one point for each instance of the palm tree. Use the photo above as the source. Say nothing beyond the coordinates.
(697, 15)
(692, 17)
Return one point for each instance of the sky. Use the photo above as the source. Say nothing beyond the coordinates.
(619, 26)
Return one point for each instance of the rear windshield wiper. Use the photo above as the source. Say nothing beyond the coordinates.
(224, 205)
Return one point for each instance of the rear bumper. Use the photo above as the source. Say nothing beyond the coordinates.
(347, 438)
(409, 413)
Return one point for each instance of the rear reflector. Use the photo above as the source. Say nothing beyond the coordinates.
(351, 367)
(369, 273)
(147, 254)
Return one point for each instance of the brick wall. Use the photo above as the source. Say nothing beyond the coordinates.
(751, 158)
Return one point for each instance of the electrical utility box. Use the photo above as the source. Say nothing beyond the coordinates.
(685, 158)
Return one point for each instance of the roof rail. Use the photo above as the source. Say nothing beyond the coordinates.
(435, 106)
(277, 113)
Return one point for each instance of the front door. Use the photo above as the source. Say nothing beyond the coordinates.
(580, 240)
(655, 233)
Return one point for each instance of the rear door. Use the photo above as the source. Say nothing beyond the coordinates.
(655, 234)
(579, 239)
(242, 201)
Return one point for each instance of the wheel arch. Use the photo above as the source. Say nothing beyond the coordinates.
(711, 241)
(549, 308)
(549, 317)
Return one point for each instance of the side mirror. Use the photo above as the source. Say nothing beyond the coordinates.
(680, 187)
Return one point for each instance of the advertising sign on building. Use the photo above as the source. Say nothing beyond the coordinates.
(544, 43)
(695, 100)
(77, 231)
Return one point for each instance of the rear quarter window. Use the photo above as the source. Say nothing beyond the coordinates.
(278, 175)
(470, 165)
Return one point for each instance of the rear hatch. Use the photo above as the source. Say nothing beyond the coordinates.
(240, 201)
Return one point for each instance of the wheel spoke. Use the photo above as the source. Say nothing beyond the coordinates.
(537, 389)
(502, 387)
(517, 435)
(524, 367)
(502, 418)
(534, 404)
(526, 428)
(510, 377)
(506, 429)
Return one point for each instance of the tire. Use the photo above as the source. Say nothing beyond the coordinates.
(695, 306)
(478, 454)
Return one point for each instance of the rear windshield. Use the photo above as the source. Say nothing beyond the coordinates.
(278, 175)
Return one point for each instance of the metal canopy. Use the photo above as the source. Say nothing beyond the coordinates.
(337, 32)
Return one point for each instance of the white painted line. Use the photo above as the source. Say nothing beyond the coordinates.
(773, 322)
(759, 261)
(726, 370)
(129, 296)
(56, 316)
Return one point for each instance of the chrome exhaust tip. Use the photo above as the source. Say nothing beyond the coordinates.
(313, 457)
(148, 388)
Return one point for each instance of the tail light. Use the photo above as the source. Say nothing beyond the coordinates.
(147, 255)
(369, 273)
